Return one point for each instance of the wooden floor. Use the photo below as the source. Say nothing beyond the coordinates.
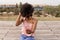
(46, 30)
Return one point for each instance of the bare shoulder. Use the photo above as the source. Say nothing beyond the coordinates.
(35, 20)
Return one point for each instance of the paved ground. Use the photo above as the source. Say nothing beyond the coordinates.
(46, 30)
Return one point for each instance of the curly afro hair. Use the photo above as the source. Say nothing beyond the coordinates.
(26, 10)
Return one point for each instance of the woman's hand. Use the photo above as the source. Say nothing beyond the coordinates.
(28, 31)
(19, 14)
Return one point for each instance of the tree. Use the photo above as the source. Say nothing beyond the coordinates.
(20, 5)
(58, 11)
(51, 10)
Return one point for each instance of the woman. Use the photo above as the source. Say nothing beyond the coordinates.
(29, 23)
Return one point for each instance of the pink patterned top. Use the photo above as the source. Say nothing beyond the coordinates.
(27, 25)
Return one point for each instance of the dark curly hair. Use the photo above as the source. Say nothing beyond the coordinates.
(26, 10)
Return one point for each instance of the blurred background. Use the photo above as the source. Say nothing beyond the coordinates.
(46, 11)
(43, 9)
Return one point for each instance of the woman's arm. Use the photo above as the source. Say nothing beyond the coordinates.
(19, 20)
(34, 25)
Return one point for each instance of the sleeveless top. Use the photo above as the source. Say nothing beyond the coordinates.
(27, 25)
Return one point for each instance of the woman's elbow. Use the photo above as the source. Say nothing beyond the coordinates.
(17, 24)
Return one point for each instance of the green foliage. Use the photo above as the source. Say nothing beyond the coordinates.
(53, 10)
(15, 9)
(38, 13)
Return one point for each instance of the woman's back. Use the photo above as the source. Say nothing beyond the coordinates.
(27, 27)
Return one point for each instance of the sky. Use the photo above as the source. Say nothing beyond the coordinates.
(42, 2)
